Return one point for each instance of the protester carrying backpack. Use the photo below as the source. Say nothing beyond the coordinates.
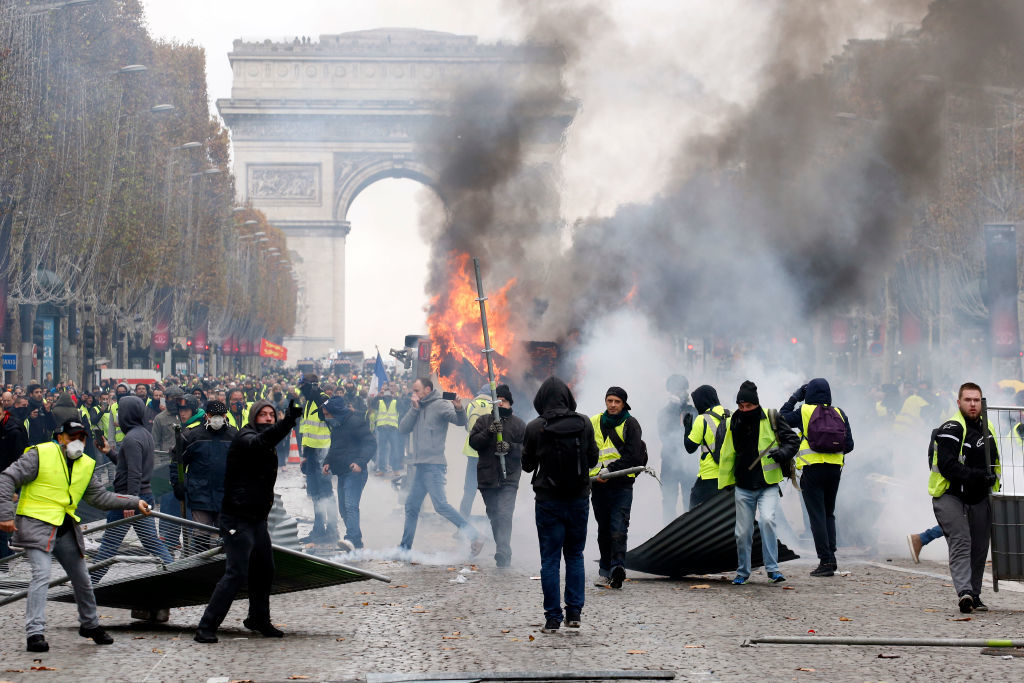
(826, 438)
(559, 449)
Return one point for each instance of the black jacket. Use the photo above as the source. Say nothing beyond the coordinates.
(488, 466)
(556, 408)
(13, 440)
(252, 468)
(40, 427)
(351, 442)
(967, 479)
(205, 458)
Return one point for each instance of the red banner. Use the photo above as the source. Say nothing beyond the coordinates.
(271, 350)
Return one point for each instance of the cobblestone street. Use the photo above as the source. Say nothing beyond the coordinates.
(444, 614)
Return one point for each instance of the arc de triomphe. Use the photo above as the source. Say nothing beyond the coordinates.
(313, 123)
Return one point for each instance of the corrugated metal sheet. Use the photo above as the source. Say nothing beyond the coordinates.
(191, 582)
(1008, 537)
(699, 541)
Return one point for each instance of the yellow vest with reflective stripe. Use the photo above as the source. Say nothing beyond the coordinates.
(607, 452)
(387, 415)
(938, 484)
(245, 417)
(52, 494)
(314, 431)
(111, 414)
(476, 409)
(703, 434)
(765, 439)
(806, 455)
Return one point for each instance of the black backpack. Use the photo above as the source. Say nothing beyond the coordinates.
(564, 464)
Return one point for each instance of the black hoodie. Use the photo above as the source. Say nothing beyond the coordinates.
(556, 407)
(135, 453)
(251, 469)
(704, 399)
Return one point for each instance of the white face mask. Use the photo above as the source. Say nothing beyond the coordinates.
(216, 422)
(74, 449)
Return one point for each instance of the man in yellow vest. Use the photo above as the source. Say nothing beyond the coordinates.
(700, 433)
(478, 407)
(751, 454)
(53, 477)
(389, 441)
(820, 469)
(316, 440)
(962, 476)
(618, 437)
(108, 421)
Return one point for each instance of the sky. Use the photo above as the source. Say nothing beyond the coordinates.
(650, 74)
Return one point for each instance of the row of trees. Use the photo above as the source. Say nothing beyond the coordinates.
(119, 179)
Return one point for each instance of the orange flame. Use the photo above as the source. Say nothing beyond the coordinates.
(456, 355)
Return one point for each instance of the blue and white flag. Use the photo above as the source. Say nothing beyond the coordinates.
(380, 376)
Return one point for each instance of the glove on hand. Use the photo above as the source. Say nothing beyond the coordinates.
(179, 490)
(294, 410)
(688, 421)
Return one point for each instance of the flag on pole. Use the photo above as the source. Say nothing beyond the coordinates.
(380, 376)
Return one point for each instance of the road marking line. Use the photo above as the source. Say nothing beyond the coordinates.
(1003, 585)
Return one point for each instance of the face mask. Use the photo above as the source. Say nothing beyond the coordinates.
(238, 405)
(216, 422)
(74, 449)
(263, 427)
(505, 413)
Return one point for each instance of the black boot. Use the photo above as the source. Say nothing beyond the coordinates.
(824, 569)
(205, 637)
(98, 635)
(265, 627)
(37, 643)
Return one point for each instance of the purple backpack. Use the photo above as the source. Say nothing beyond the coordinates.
(826, 431)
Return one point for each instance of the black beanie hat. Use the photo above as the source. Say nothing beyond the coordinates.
(621, 393)
(748, 393)
(216, 408)
(504, 392)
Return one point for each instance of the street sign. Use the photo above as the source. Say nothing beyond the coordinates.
(10, 362)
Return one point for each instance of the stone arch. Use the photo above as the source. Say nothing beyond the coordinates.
(355, 176)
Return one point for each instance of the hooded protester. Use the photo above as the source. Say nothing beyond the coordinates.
(619, 441)
(64, 409)
(428, 421)
(700, 433)
(498, 488)
(352, 449)
(39, 422)
(673, 423)
(559, 448)
(52, 479)
(479, 406)
(819, 470)
(134, 459)
(249, 479)
(163, 424)
(200, 395)
(752, 452)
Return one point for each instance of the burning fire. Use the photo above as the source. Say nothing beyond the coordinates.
(454, 320)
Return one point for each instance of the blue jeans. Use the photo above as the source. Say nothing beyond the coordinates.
(931, 534)
(429, 479)
(562, 532)
(766, 501)
(612, 505)
(145, 529)
(319, 488)
(389, 450)
(350, 491)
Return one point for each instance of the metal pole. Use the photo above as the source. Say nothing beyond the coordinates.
(502, 447)
(282, 549)
(884, 642)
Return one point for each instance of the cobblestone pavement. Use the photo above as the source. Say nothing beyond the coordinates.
(443, 614)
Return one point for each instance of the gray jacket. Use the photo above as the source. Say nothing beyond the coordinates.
(428, 425)
(163, 430)
(35, 533)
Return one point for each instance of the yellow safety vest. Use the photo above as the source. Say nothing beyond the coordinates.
(765, 439)
(806, 455)
(245, 417)
(703, 434)
(938, 484)
(52, 494)
(111, 414)
(315, 433)
(607, 452)
(477, 408)
(387, 415)
(909, 418)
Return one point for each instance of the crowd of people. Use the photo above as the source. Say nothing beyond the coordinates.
(229, 437)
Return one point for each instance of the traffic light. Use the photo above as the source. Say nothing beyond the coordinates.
(37, 332)
(89, 338)
(188, 343)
